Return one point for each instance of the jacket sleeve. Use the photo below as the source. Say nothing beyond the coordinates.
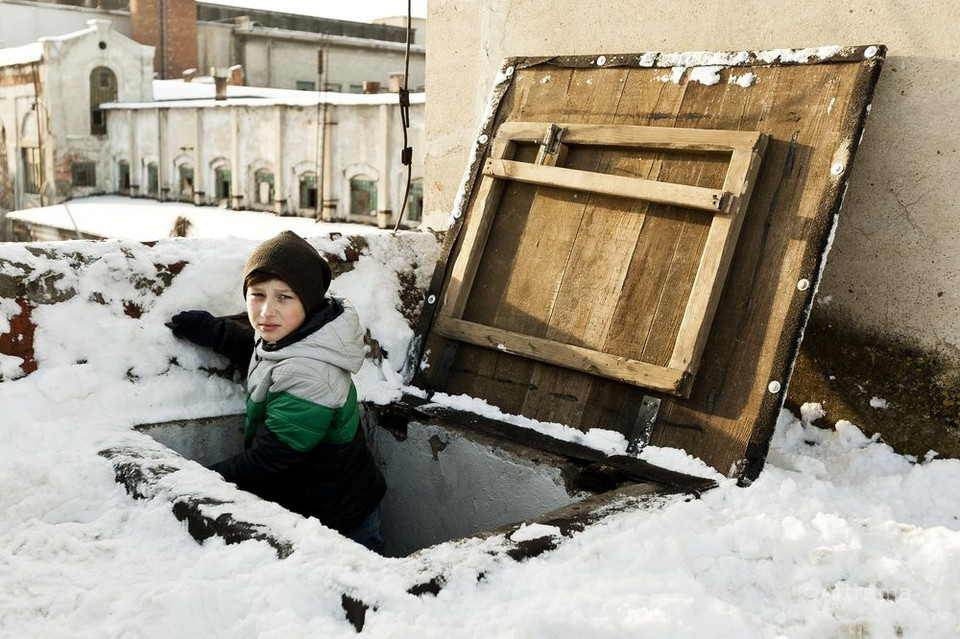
(237, 341)
(266, 457)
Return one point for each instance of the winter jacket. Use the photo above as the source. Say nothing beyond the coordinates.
(304, 447)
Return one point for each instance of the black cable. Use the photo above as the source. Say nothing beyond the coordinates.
(406, 155)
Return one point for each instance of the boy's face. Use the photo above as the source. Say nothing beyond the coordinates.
(274, 310)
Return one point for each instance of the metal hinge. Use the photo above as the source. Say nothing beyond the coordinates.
(643, 426)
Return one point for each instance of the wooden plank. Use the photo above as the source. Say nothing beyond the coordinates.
(475, 238)
(591, 182)
(753, 329)
(609, 404)
(593, 278)
(573, 357)
(715, 261)
(504, 293)
(652, 137)
(718, 390)
(548, 231)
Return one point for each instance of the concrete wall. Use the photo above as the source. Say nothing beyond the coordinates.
(66, 73)
(20, 126)
(894, 271)
(24, 22)
(282, 62)
(364, 139)
(57, 116)
(443, 485)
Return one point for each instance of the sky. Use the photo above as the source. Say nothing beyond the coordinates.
(358, 11)
(839, 537)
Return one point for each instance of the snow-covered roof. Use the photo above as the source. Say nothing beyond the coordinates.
(201, 92)
(839, 536)
(366, 11)
(72, 35)
(33, 52)
(25, 54)
(144, 220)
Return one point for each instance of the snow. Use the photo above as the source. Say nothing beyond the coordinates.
(706, 65)
(800, 56)
(838, 537)
(707, 76)
(146, 220)
(201, 92)
(745, 80)
(21, 55)
(366, 11)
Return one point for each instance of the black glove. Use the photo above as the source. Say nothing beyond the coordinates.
(200, 327)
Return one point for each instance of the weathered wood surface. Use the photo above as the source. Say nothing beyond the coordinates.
(652, 190)
(728, 203)
(615, 275)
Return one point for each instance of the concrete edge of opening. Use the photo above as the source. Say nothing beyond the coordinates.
(141, 464)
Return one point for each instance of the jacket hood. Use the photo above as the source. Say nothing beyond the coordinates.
(339, 342)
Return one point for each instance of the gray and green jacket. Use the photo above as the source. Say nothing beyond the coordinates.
(305, 449)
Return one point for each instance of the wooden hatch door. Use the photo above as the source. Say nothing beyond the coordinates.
(578, 347)
(638, 241)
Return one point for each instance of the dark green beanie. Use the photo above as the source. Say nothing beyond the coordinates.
(292, 259)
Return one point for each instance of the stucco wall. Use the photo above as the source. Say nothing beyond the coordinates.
(364, 139)
(59, 122)
(894, 264)
(25, 23)
(282, 62)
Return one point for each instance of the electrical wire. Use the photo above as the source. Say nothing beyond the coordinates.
(406, 155)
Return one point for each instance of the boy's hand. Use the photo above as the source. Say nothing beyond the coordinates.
(200, 327)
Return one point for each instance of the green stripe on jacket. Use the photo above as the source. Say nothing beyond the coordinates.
(302, 424)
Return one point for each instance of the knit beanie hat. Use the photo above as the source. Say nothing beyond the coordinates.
(292, 259)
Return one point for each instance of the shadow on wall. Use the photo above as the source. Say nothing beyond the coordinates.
(883, 384)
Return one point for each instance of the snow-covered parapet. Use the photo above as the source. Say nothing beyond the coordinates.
(96, 311)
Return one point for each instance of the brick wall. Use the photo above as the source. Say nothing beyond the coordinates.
(176, 43)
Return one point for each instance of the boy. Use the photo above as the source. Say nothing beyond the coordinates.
(305, 449)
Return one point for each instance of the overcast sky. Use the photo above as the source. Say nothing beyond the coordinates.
(358, 10)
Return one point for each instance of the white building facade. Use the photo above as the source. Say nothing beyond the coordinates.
(323, 155)
(52, 124)
(78, 116)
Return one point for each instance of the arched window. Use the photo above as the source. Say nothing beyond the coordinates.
(153, 180)
(263, 180)
(363, 196)
(103, 88)
(32, 174)
(222, 180)
(308, 191)
(6, 192)
(123, 177)
(186, 182)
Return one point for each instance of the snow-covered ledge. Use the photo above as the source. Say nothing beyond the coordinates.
(83, 343)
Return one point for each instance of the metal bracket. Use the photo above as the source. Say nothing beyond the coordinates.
(550, 145)
(643, 427)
